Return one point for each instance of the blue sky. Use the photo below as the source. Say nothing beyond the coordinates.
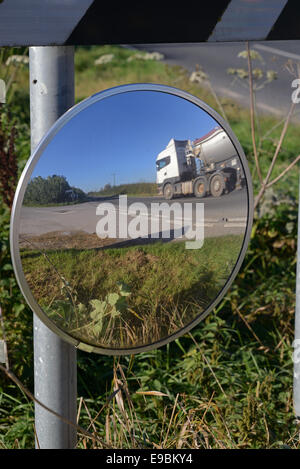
(121, 135)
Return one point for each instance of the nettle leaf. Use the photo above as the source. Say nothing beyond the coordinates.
(81, 308)
(114, 312)
(99, 308)
(98, 327)
(124, 289)
(122, 304)
(96, 304)
(112, 298)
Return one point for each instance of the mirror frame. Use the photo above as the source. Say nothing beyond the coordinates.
(25, 177)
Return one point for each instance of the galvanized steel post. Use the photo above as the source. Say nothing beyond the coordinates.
(51, 94)
(297, 327)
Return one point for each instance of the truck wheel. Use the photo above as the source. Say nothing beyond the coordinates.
(168, 191)
(217, 185)
(232, 182)
(200, 188)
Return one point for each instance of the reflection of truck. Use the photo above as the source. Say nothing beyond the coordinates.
(209, 164)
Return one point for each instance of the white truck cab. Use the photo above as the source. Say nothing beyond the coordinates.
(206, 165)
(171, 163)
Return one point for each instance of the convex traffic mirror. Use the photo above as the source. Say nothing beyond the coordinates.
(131, 219)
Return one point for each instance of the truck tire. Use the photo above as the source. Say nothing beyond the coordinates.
(168, 191)
(217, 185)
(231, 183)
(200, 187)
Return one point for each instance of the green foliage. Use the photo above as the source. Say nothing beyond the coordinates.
(93, 76)
(156, 306)
(235, 381)
(14, 71)
(16, 421)
(70, 313)
(135, 189)
(113, 305)
(17, 315)
(51, 190)
(234, 388)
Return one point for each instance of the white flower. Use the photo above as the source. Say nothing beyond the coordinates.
(104, 59)
(146, 56)
(14, 59)
(198, 76)
(253, 54)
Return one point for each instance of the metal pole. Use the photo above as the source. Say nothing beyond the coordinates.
(51, 94)
(297, 328)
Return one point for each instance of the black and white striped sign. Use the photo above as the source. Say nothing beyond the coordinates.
(88, 22)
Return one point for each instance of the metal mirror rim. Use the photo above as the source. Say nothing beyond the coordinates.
(24, 179)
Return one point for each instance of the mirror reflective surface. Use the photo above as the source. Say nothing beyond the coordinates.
(131, 219)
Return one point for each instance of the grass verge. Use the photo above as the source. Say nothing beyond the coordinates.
(124, 297)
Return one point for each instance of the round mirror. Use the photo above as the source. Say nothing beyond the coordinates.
(131, 219)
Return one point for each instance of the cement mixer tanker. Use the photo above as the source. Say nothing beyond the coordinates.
(207, 165)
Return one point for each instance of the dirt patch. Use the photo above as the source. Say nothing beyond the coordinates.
(65, 240)
(137, 258)
(39, 282)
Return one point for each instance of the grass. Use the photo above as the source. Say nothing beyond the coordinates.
(140, 189)
(16, 422)
(230, 389)
(166, 288)
(93, 78)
